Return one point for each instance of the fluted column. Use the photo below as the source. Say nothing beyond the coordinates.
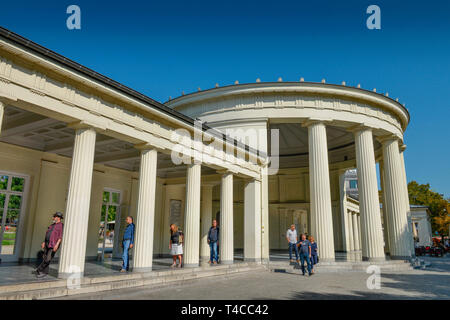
(351, 239)
(192, 216)
(321, 214)
(406, 199)
(145, 217)
(226, 244)
(395, 204)
(355, 232)
(344, 216)
(2, 111)
(383, 193)
(206, 221)
(358, 216)
(73, 248)
(369, 205)
(265, 215)
(252, 221)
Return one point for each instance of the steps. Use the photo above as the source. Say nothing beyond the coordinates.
(360, 266)
(157, 279)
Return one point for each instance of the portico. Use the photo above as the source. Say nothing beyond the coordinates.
(74, 141)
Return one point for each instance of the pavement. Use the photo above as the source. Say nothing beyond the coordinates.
(431, 283)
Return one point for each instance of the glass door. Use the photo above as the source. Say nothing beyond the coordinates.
(109, 221)
(12, 191)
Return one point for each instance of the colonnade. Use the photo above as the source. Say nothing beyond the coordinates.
(361, 231)
(198, 212)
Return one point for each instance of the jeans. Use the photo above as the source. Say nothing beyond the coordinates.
(313, 259)
(213, 252)
(293, 246)
(305, 257)
(47, 257)
(126, 255)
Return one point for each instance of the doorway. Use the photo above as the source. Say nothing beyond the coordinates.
(12, 202)
(109, 223)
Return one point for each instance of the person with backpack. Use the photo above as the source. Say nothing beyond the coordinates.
(53, 238)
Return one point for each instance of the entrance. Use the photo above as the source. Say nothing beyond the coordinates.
(12, 202)
(109, 223)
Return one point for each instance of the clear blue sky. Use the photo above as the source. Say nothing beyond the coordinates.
(161, 48)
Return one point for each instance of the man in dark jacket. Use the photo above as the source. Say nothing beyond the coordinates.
(127, 244)
(213, 241)
(50, 246)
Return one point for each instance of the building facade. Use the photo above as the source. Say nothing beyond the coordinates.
(75, 141)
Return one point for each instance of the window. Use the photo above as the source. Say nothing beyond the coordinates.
(353, 184)
(12, 189)
(110, 213)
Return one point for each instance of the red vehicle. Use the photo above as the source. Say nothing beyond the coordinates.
(420, 251)
(437, 251)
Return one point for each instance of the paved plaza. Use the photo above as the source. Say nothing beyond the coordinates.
(431, 283)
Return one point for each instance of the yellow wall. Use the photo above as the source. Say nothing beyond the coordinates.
(47, 192)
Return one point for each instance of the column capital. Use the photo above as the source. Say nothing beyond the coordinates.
(225, 172)
(147, 146)
(386, 138)
(312, 121)
(85, 124)
(359, 127)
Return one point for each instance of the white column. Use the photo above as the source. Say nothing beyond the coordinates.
(192, 216)
(344, 217)
(226, 244)
(2, 111)
(73, 248)
(321, 214)
(252, 221)
(206, 221)
(369, 205)
(406, 199)
(265, 247)
(145, 217)
(355, 232)
(383, 193)
(359, 230)
(396, 212)
(350, 231)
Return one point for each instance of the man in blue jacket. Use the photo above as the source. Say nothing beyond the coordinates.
(213, 241)
(127, 244)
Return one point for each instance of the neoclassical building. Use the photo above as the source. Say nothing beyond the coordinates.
(75, 141)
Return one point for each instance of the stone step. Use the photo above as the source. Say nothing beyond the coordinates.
(58, 288)
(394, 265)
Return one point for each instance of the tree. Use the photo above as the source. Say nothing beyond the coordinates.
(421, 194)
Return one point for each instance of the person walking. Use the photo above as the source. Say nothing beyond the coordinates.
(127, 244)
(50, 246)
(176, 245)
(305, 254)
(314, 252)
(213, 241)
(292, 239)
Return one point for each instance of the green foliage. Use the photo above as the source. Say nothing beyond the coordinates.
(421, 194)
